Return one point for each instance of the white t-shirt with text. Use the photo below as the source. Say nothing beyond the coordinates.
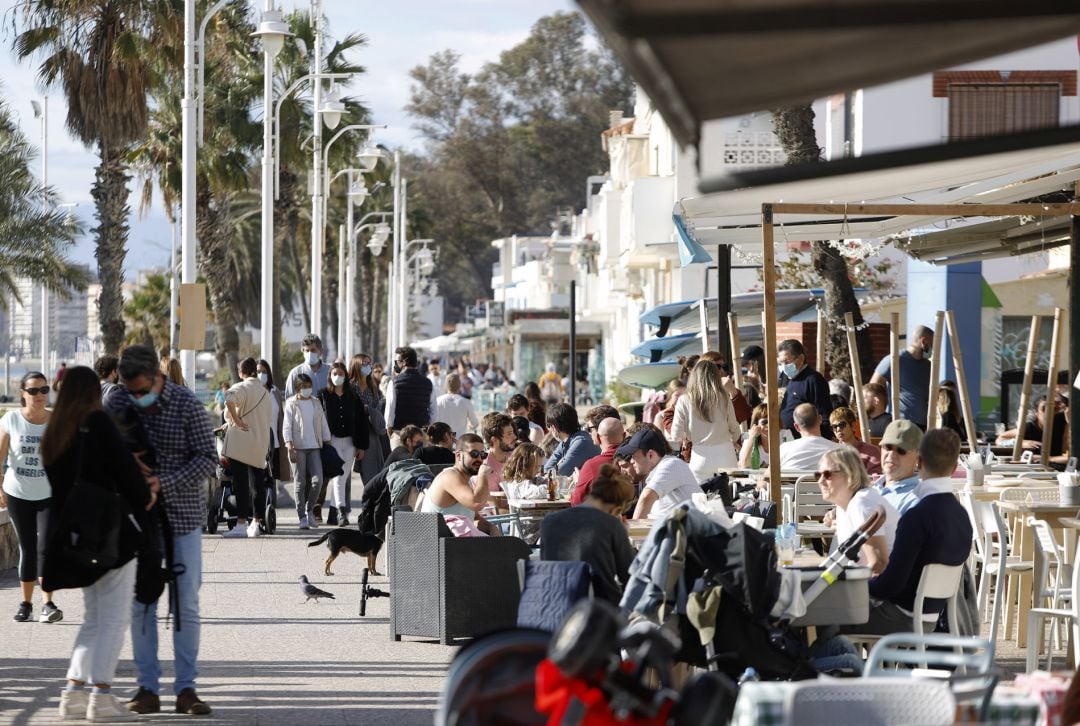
(25, 477)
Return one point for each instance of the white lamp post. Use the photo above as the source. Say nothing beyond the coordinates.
(375, 245)
(41, 111)
(423, 257)
(272, 32)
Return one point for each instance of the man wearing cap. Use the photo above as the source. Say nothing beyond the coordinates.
(668, 479)
(899, 460)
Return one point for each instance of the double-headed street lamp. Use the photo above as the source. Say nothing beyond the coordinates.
(380, 233)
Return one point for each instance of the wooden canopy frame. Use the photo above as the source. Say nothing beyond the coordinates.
(769, 211)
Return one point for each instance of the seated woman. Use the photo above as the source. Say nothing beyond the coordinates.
(754, 453)
(440, 451)
(845, 483)
(843, 421)
(1033, 428)
(594, 533)
(521, 471)
(948, 407)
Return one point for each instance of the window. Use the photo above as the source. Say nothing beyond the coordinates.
(992, 109)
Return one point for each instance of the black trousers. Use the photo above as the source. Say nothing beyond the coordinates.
(30, 517)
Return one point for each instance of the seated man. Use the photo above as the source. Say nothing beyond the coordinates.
(936, 530)
(899, 457)
(804, 453)
(498, 432)
(575, 446)
(875, 398)
(608, 435)
(450, 492)
(668, 479)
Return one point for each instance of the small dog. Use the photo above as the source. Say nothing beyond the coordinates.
(350, 540)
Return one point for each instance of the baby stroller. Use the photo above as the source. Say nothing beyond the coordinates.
(221, 500)
(593, 670)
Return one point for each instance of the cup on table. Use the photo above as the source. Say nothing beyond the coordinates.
(786, 541)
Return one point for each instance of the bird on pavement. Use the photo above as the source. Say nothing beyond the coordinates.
(311, 592)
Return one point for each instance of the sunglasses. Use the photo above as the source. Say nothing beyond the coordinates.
(826, 474)
(840, 425)
(142, 391)
(897, 449)
(37, 391)
(763, 423)
(478, 454)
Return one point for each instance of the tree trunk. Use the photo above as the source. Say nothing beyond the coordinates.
(110, 193)
(794, 127)
(214, 228)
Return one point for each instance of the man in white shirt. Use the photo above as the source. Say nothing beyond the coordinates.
(455, 410)
(436, 375)
(668, 479)
(803, 454)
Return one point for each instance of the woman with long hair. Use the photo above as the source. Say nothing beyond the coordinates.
(755, 450)
(26, 492)
(82, 447)
(705, 418)
(948, 407)
(521, 471)
(349, 435)
(171, 368)
(362, 379)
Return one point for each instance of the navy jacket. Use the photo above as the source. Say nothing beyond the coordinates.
(808, 386)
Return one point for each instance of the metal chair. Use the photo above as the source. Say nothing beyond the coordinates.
(966, 663)
(869, 702)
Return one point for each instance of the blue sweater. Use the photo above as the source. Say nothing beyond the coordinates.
(935, 531)
(572, 453)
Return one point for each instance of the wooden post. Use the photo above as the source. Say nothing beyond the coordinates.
(1051, 385)
(932, 419)
(736, 351)
(856, 375)
(772, 397)
(703, 316)
(821, 340)
(1025, 392)
(1074, 323)
(894, 367)
(961, 382)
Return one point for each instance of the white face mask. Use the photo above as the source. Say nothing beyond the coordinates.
(311, 357)
(337, 380)
(264, 378)
(305, 393)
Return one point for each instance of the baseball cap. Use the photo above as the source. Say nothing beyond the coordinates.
(903, 434)
(643, 440)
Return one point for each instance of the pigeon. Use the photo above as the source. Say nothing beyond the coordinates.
(311, 592)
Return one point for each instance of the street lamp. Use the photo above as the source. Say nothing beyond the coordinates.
(271, 32)
(318, 77)
(422, 260)
(41, 111)
(346, 309)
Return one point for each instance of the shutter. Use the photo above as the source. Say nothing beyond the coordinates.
(992, 109)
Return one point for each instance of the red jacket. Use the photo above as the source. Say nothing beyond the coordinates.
(589, 471)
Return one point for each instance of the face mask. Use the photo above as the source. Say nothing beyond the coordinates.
(264, 378)
(305, 393)
(146, 401)
(365, 370)
(789, 369)
(311, 357)
(337, 380)
(927, 351)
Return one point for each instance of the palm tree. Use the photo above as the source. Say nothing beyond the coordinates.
(147, 313)
(34, 233)
(100, 53)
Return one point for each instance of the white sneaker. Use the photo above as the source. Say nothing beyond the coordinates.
(253, 529)
(304, 523)
(236, 531)
(73, 704)
(105, 707)
(312, 522)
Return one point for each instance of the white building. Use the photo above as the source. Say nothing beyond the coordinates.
(67, 321)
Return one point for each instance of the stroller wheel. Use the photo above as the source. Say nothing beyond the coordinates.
(586, 639)
(270, 520)
(211, 520)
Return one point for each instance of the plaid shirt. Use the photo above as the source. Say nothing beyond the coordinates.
(179, 429)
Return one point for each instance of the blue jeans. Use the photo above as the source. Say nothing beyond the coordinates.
(187, 550)
(835, 653)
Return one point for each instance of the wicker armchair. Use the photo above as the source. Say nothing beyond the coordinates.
(449, 587)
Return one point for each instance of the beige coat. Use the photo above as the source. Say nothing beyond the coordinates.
(252, 402)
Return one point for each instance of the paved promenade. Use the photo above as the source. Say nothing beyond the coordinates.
(266, 657)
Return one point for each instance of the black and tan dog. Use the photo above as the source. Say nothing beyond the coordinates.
(350, 540)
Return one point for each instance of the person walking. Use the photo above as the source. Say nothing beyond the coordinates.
(182, 439)
(304, 431)
(26, 492)
(83, 447)
(804, 385)
(411, 399)
(248, 419)
(705, 418)
(348, 421)
(313, 366)
(361, 377)
(551, 387)
(454, 410)
(279, 457)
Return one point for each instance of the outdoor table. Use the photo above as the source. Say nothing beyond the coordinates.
(1051, 512)
(498, 500)
(639, 530)
(761, 703)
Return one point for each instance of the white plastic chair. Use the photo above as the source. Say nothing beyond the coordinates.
(809, 504)
(1001, 570)
(938, 582)
(1037, 618)
(1050, 586)
(869, 702)
(1034, 494)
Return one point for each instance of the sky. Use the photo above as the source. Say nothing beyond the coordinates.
(400, 35)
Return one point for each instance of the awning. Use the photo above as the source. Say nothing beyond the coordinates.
(685, 316)
(1007, 176)
(658, 349)
(649, 375)
(707, 59)
(983, 240)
